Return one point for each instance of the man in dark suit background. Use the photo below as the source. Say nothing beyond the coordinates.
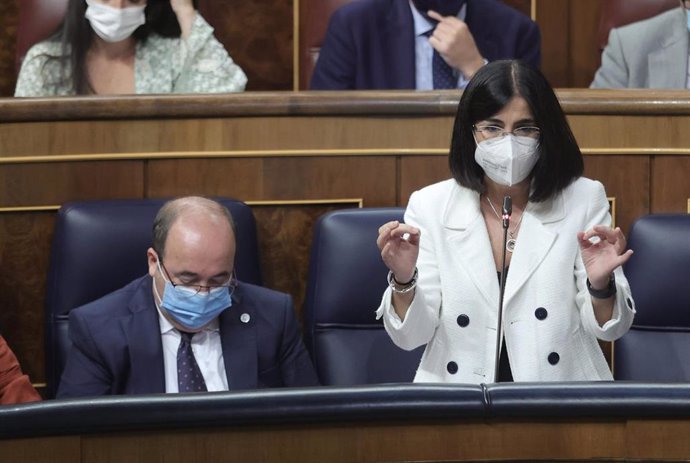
(189, 325)
(389, 44)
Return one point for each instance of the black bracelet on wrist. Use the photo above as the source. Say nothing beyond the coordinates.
(399, 283)
(402, 288)
(605, 293)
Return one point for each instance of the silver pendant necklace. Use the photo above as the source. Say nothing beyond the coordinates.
(510, 244)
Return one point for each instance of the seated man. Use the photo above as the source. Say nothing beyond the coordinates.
(189, 325)
(420, 44)
(652, 53)
(15, 386)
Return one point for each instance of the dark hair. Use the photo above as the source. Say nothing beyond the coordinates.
(173, 209)
(560, 160)
(76, 36)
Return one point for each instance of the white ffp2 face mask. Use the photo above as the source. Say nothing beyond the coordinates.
(507, 160)
(114, 24)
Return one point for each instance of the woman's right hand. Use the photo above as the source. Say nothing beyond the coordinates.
(399, 246)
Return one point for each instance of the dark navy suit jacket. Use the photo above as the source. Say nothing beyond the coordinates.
(370, 44)
(117, 347)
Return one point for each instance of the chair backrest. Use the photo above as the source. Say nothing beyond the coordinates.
(657, 347)
(38, 19)
(313, 22)
(617, 13)
(346, 282)
(100, 246)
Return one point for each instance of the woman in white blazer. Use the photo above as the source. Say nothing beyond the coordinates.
(564, 287)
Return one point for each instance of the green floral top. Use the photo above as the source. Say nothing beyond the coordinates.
(199, 64)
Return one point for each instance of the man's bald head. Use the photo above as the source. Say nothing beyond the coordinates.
(183, 209)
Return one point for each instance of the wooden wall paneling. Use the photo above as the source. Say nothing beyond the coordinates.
(373, 178)
(9, 15)
(54, 183)
(670, 189)
(554, 23)
(187, 137)
(653, 439)
(258, 36)
(412, 440)
(371, 442)
(239, 178)
(107, 137)
(419, 171)
(24, 256)
(584, 54)
(285, 231)
(279, 178)
(625, 178)
(42, 450)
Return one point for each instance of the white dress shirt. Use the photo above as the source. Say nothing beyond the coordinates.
(208, 353)
(424, 52)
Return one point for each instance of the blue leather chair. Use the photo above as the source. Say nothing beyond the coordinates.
(657, 347)
(346, 282)
(100, 246)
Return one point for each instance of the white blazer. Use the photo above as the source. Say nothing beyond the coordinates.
(549, 325)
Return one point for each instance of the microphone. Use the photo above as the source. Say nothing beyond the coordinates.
(507, 212)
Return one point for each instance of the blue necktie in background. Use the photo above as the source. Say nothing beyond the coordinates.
(189, 377)
(443, 75)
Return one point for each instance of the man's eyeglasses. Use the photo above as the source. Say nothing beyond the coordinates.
(493, 131)
(190, 289)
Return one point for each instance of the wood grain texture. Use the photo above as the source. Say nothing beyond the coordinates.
(627, 179)
(285, 235)
(412, 440)
(436, 106)
(43, 450)
(9, 16)
(24, 257)
(670, 187)
(419, 171)
(54, 184)
(584, 56)
(258, 36)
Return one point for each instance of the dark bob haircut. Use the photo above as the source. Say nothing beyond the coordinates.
(560, 160)
(76, 36)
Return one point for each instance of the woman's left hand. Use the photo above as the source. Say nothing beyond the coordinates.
(185, 12)
(604, 255)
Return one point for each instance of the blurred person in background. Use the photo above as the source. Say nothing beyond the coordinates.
(108, 47)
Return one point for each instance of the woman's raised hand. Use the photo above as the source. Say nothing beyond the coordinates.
(399, 246)
(604, 254)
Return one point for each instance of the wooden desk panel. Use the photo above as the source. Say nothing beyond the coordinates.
(538, 440)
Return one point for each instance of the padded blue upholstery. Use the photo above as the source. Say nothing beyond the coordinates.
(346, 281)
(399, 404)
(99, 246)
(657, 347)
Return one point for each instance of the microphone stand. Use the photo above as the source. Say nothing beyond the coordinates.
(507, 212)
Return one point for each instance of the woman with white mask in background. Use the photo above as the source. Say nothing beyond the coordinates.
(107, 47)
(564, 287)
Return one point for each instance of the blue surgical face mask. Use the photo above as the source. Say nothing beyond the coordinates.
(189, 308)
